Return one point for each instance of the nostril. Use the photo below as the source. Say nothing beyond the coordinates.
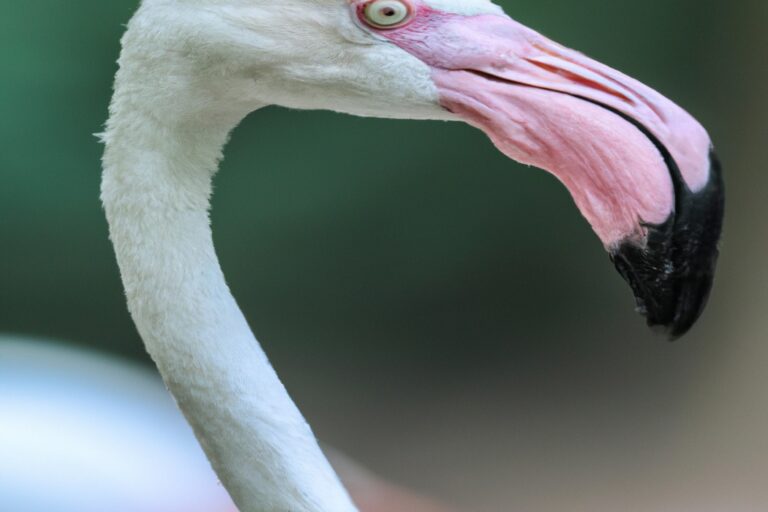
(580, 80)
(557, 52)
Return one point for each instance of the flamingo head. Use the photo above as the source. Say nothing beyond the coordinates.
(640, 169)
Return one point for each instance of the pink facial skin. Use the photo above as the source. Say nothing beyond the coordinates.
(545, 105)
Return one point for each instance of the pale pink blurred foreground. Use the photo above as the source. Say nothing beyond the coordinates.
(85, 433)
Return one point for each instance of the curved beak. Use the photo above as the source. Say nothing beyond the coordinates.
(640, 169)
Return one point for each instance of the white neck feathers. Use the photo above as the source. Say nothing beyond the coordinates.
(156, 188)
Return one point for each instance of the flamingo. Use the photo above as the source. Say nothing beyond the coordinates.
(640, 169)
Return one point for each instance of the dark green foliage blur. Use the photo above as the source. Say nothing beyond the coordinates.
(369, 241)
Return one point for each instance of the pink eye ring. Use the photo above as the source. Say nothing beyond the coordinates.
(387, 14)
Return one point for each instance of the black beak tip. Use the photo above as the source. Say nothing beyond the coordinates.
(672, 274)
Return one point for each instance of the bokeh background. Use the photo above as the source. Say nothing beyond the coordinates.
(439, 312)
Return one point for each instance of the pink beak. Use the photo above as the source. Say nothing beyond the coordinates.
(640, 169)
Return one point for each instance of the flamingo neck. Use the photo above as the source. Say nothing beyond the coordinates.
(156, 188)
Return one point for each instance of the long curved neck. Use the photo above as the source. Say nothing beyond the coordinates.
(156, 188)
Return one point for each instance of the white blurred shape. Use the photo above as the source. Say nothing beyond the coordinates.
(85, 433)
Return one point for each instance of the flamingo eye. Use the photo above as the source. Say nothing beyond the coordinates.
(387, 13)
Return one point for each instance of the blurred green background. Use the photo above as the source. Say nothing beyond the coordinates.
(440, 312)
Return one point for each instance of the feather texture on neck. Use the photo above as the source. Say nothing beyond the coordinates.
(162, 150)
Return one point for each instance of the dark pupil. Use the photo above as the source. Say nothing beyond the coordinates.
(388, 11)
